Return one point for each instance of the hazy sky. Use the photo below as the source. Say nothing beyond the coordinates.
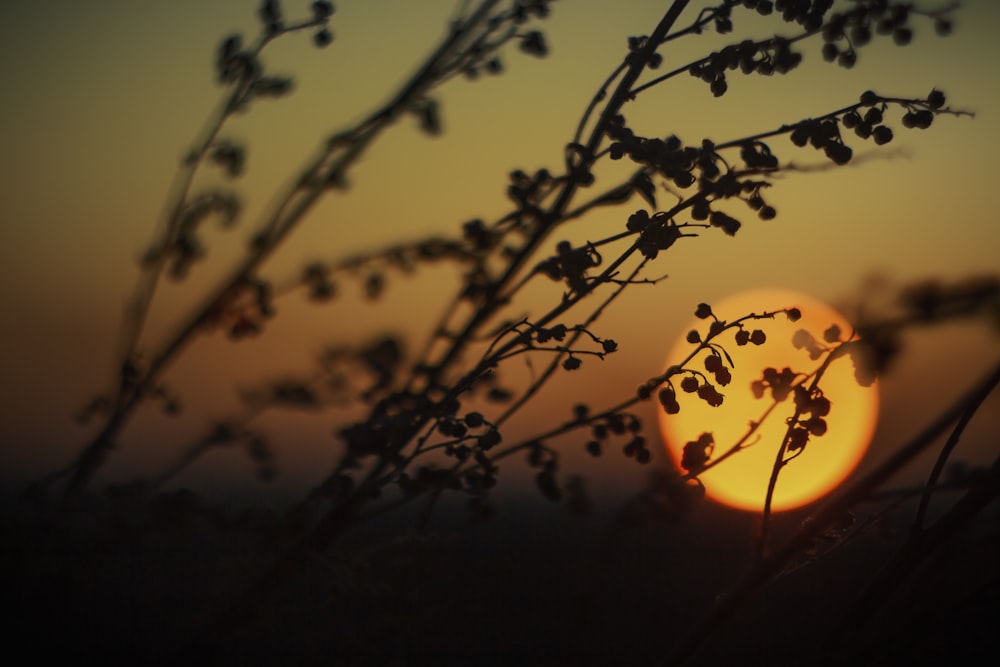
(102, 98)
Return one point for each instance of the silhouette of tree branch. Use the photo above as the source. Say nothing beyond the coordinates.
(762, 573)
(413, 406)
(939, 463)
(781, 458)
(923, 542)
(327, 170)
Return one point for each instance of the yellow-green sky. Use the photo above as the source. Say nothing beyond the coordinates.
(100, 100)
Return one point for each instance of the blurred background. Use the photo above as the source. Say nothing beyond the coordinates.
(102, 99)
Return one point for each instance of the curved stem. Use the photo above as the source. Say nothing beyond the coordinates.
(331, 524)
(942, 459)
(141, 302)
(921, 545)
(828, 513)
(554, 213)
(780, 460)
(278, 227)
(554, 363)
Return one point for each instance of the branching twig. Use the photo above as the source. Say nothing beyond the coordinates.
(764, 570)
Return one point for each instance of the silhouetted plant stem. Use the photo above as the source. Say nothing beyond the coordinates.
(764, 570)
(491, 302)
(334, 519)
(554, 213)
(656, 381)
(780, 461)
(228, 432)
(142, 300)
(273, 233)
(329, 170)
(596, 99)
(242, 610)
(414, 441)
(614, 195)
(535, 441)
(939, 463)
(553, 364)
(708, 16)
(921, 544)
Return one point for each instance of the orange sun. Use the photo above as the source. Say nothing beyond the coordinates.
(741, 481)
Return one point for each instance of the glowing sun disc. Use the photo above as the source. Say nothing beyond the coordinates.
(741, 481)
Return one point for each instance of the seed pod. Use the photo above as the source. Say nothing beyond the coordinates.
(882, 135)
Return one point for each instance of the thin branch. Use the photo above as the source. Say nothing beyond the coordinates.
(554, 363)
(273, 232)
(829, 512)
(780, 460)
(555, 212)
(139, 305)
(920, 546)
(942, 459)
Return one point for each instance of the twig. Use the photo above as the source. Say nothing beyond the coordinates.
(274, 231)
(764, 570)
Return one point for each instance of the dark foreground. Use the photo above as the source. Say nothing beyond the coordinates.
(136, 583)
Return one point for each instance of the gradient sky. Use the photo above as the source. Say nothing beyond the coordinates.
(102, 98)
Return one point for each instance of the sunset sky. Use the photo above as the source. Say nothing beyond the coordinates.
(101, 100)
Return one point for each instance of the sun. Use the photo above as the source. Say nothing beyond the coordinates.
(741, 481)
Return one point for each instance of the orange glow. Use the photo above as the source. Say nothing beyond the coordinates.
(741, 481)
